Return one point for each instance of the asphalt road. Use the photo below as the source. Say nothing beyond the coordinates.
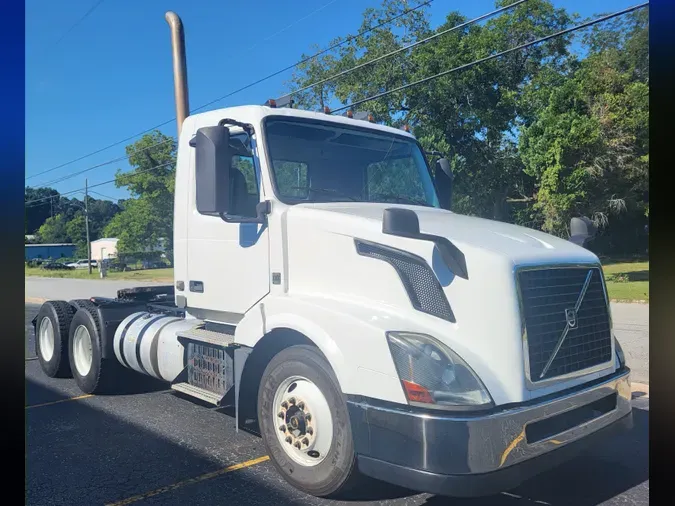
(151, 446)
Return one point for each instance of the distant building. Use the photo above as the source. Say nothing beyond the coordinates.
(53, 251)
(104, 248)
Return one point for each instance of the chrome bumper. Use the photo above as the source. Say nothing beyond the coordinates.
(473, 444)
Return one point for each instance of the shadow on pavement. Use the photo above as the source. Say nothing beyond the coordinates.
(77, 454)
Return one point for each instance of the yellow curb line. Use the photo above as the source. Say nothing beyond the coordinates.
(59, 401)
(190, 481)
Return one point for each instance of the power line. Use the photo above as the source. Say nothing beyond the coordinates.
(86, 15)
(104, 196)
(142, 171)
(239, 90)
(496, 55)
(404, 48)
(293, 24)
(305, 60)
(75, 174)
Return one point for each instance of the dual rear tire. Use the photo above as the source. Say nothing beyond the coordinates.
(68, 344)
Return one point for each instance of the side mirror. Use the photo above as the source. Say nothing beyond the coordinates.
(213, 158)
(444, 180)
(582, 230)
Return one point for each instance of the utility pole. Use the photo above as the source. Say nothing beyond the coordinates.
(86, 221)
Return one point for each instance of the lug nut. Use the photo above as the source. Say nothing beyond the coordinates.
(289, 440)
(305, 442)
(284, 405)
(308, 416)
(282, 428)
(280, 414)
(298, 445)
(301, 405)
(292, 400)
(310, 431)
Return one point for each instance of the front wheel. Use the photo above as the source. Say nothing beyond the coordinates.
(305, 424)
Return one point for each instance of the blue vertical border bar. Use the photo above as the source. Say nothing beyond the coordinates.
(12, 170)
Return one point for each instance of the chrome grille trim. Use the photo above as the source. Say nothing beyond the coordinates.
(535, 383)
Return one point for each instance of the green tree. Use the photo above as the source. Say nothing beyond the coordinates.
(146, 220)
(54, 230)
(39, 204)
(587, 144)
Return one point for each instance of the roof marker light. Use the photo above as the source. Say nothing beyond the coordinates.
(271, 103)
(349, 113)
(326, 109)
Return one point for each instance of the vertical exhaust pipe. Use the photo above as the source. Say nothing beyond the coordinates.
(179, 68)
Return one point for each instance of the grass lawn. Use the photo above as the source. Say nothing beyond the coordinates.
(160, 275)
(627, 281)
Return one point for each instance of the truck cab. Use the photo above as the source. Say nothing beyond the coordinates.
(329, 229)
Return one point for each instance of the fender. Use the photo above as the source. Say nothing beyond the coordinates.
(369, 371)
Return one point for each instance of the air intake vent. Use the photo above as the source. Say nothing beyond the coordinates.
(420, 282)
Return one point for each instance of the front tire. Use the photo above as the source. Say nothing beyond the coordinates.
(51, 337)
(305, 424)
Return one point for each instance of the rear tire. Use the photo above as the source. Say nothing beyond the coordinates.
(51, 338)
(92, 373)
(325, 463)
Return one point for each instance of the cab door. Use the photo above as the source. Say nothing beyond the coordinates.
(228, 261)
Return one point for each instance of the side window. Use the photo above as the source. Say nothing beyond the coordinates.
(244, 195)
(291, 178)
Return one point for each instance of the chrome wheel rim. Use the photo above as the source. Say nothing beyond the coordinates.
(303, 421)
(82, 350)
(46, 337)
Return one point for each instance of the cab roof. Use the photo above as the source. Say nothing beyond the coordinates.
(256, 113)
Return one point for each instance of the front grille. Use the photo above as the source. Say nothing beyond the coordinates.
(548, 295)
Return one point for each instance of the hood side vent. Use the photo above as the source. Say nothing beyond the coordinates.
(420, 282)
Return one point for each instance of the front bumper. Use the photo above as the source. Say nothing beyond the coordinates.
(476, 454)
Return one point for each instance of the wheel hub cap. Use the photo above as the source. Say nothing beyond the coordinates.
(82, 350)
(46, 339)
(304, 421)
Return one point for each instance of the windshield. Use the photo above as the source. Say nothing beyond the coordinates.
(321, 162)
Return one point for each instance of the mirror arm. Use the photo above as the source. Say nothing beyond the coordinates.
(262, 210)
(246, 127)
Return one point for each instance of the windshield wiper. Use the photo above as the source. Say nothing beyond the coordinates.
(326, 190)
(401, 199)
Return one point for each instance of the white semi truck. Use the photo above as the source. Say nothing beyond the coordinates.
(358, 326)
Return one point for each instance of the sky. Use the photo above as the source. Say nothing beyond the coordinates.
(109, 77)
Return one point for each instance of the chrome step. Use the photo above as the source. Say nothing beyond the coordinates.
(199, 393)
(202, 335)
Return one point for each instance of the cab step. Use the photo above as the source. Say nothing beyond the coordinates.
(200, 393)
(201, 335)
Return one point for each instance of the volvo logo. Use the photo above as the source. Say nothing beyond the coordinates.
(571, 317)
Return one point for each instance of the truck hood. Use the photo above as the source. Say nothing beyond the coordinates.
(522, 245)
(485, 328)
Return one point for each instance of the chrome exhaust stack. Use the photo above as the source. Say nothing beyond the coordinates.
(179, 68)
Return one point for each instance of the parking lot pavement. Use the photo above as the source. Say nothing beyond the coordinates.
(151, 446)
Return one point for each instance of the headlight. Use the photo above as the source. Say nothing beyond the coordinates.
(619, 352)
(433, 374)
